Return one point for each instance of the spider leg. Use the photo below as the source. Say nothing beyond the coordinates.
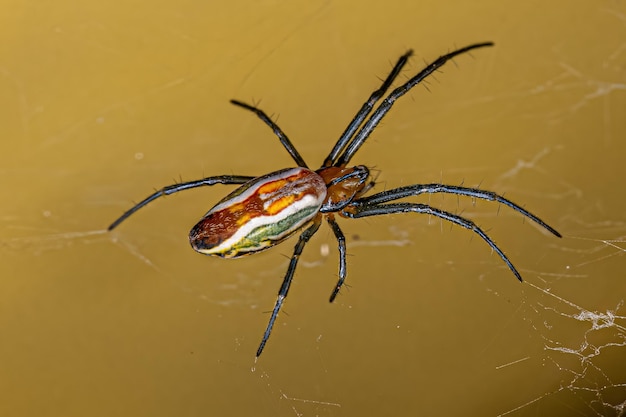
(386, 104)
(380, 209)
(277, 131)
(416, 189)
(365, 110)
(174, 188)
(284, 288)
(341, 240)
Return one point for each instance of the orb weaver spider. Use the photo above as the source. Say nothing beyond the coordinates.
(266, 210)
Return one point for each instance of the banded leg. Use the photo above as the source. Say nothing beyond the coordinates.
(377, 210)
(417, 189)
(365, 110)
(284, 288)
(174, 188)
(386, 104)
(341, 240)
(277, 131)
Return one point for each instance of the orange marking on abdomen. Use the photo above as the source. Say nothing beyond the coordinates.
(271, 187)
(280, 204)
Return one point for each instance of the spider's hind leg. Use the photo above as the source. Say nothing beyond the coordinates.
(175, 188)
(284, 288)
(284, 140)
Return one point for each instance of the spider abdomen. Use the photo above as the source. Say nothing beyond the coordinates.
(259, 214)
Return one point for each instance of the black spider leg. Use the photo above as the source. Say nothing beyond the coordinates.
(341, 240)
(174, 188)
(365, 110)
(284, 288)
(386, 104)
(380, 209)
(416, 189)
(277, 131)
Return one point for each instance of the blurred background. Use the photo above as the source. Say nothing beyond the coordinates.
(101, 103)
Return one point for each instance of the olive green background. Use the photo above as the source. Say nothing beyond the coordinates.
(102, 102)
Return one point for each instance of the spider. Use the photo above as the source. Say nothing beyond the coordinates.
(266, 210)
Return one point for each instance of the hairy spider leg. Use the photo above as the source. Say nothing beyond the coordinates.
(277, 131)
(380, 209)
(174, 188)
(365, 110)
(416, 189)
(284, 288)
(341, 240)
(386, 104)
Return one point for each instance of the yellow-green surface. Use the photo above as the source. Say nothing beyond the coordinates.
(101, 102)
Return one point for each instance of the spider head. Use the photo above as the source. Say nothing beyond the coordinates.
(343, 185)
